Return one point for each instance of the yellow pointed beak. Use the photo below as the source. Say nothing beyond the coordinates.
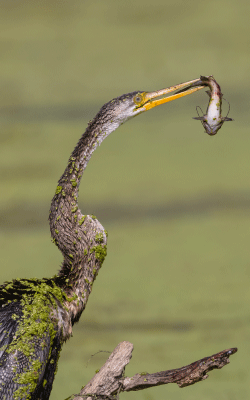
(149, 101)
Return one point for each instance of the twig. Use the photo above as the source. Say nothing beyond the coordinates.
(110, 380)
(93, 355)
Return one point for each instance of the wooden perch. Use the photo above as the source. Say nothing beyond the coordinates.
(110, 380)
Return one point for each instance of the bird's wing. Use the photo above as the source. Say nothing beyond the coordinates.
(21, 372)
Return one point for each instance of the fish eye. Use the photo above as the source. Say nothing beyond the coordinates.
(138, 99)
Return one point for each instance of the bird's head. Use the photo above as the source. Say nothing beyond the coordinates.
(122, 108)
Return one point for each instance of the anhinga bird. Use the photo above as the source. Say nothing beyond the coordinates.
(37, 315)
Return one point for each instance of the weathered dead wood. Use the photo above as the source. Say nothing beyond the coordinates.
(110, 380)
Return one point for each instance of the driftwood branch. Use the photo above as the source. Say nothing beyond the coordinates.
(110, 380)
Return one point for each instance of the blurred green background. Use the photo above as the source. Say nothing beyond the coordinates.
(176, 202)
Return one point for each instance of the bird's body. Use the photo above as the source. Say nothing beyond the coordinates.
(30, 337)
(37, 315)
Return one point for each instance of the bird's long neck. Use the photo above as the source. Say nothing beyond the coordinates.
(81, 238)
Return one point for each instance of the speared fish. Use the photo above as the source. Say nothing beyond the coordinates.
(212, 121)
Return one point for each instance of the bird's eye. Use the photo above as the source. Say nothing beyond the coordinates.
(138, 99)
